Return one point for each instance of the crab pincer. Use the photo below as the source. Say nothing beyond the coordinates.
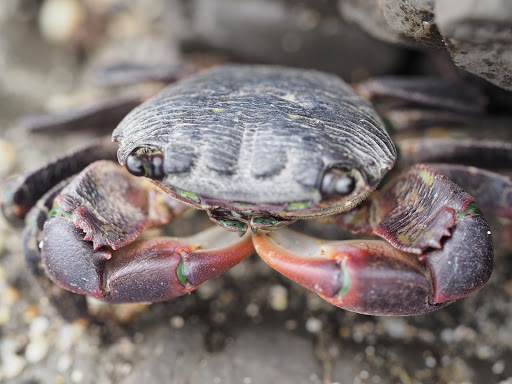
(111, 264)
(438, 249)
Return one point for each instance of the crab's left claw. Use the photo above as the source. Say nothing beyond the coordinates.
(374, 278)
(368, 277)
(439, 250)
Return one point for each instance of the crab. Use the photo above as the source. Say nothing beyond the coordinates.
(257, 148)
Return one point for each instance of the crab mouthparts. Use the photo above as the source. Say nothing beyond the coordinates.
(237, 221)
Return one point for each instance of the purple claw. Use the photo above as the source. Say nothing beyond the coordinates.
(439, 250)
(369, 277)
(144, 271)
(90, 244)
(464, 264)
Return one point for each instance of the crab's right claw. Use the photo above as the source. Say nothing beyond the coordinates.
(143, 271)
(372, 277)
(91, 244)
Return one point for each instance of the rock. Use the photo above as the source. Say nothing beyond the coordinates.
(368, 15)
(304, 34)
(478, 36)
(414, 19)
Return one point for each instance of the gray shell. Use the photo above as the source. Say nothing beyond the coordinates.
(258, 134)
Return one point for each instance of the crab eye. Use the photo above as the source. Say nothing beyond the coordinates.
(146, 164)
(337, 182)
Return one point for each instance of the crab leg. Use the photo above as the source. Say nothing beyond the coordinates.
(417, 102)
(425, 91)
(21, 193)
(90, 244)
(489, 154)
(492, 191)
(131, 73)
(104, 115)
(439, 250)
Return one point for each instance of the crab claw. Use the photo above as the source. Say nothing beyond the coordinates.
(373, 277)
(143, 271)
(91, 244)
(464, 264)
(368, 277)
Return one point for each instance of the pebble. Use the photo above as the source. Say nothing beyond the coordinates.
(123, 369)
(314, 302)
(278, 298)
(64, 363)
(464, 333)
(430, 361)
(362, 331)
(209, 289)
(124, 313)
(508, 287)
(8, 296)
(177, 322)
(218, 317)
(38, 327)
(59, 20)
(8, 157)
(498, 367)
(68, 335)
(37, 349)
(447, 335)
(484, 352)
(77, 376)
(252, 310)
(314, 325)
(370, 350)
(395, 327)
(12, 365)
(5, 315)
(126, 347)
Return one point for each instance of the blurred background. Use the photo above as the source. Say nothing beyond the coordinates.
(250, 325)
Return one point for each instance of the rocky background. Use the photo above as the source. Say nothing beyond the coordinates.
(250, 325)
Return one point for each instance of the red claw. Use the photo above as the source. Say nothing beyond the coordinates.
(144, 271)
(368, 277)
(90, 245)
(373, 277)
(164, 268)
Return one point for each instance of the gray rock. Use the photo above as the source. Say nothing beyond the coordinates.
(414, 19)
(295, 33)
(478, 36)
